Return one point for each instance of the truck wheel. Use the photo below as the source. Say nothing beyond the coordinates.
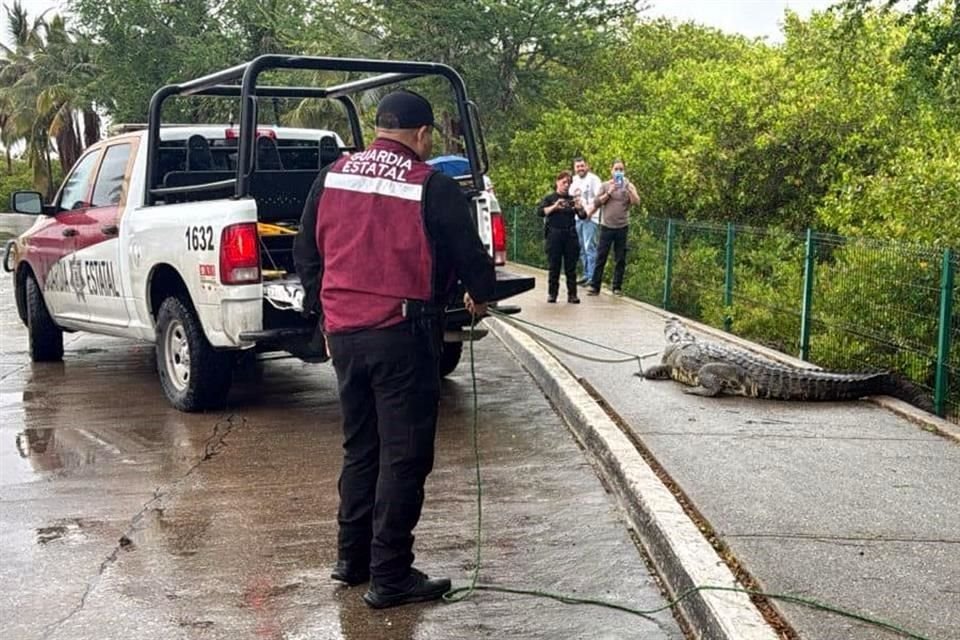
(450, 357)
(194, 375)
(46, 338)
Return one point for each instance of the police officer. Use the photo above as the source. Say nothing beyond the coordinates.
(384, 238)
(560, 211)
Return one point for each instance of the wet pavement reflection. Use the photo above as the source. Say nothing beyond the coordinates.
(121, 517)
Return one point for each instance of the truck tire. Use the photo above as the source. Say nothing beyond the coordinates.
(46, 338)
(450, 357)
(193, 374)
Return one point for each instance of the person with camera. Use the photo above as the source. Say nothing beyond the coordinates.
(615, 198)
(560, 211)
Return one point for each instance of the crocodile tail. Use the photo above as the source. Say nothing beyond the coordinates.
(899, 387)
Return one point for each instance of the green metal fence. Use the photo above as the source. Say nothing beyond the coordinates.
(840, 302)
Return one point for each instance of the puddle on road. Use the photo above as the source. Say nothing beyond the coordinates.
(51, 450)
(70, 530)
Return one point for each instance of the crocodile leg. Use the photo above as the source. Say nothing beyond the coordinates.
(719, 377)
(701, 391)
(657, 372)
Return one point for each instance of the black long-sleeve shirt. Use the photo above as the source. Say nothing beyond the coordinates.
(451, 230)
(562, 218)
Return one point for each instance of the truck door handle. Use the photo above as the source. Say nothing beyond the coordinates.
(69, 233)
(110, 229)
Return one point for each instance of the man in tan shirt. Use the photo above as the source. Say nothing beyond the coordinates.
(615, 198)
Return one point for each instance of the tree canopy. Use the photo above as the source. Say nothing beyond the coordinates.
(852, 124)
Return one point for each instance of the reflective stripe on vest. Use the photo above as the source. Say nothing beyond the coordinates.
(371, 234)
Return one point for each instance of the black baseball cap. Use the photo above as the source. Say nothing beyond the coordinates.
(404, 110)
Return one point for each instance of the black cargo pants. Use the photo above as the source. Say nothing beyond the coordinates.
(389, 386)
(617, 238)
(563, 248)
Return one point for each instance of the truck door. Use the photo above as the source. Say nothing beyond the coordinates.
(51, 250)
(98, 243)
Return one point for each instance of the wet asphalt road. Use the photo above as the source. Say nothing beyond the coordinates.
(121, 517)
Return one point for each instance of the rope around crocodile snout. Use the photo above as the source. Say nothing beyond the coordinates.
(461, 594)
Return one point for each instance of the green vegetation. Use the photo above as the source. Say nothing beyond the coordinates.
(835, 129)
(20, 177)
(46, 80)
(852, 125)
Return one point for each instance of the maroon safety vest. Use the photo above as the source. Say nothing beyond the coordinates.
(371, 234)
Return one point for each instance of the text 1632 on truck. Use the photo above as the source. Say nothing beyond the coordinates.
(182, 235)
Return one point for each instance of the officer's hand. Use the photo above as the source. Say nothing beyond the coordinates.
(475, 309)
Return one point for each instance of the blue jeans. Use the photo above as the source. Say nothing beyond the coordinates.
(587, 233)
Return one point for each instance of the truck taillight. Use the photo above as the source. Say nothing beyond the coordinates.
(240, 254)
(499, 238)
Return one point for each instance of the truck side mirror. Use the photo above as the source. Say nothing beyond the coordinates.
(29, 202)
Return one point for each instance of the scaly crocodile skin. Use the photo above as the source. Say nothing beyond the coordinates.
(712, 369)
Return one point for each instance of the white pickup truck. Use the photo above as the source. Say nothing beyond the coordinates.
(183, 235)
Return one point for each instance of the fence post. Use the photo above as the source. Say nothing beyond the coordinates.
(513, 234)
(728, 279)
(943, 340)
(805, 312)
(668, 267)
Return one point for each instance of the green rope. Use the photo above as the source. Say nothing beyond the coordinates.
(460, 594)
(648, 613)
(517, 324)
(512, 320)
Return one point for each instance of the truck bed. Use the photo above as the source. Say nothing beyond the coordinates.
(285, 293)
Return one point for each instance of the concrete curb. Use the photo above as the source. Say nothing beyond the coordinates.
(682, 556)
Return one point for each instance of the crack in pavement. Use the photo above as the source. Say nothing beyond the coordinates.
(786, 436)
(854, 540)
(211, 448)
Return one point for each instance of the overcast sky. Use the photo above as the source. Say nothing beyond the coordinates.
(753, 18)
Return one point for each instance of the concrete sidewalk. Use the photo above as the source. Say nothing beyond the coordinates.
(849, 504)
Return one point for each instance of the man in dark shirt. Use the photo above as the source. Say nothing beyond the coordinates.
(383, 240)
(560, 211)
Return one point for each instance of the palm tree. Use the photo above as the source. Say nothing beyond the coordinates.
(46, 76)
(19, 94)
(6, 128)
(65, 72)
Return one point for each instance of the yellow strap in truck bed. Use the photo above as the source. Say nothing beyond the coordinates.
(267, 229)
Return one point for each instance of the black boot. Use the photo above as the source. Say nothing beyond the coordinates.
(417, 587)
(351, 573)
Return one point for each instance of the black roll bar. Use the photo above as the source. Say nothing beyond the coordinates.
(221, 83)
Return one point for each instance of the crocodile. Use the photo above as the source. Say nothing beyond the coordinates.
(711, 369)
